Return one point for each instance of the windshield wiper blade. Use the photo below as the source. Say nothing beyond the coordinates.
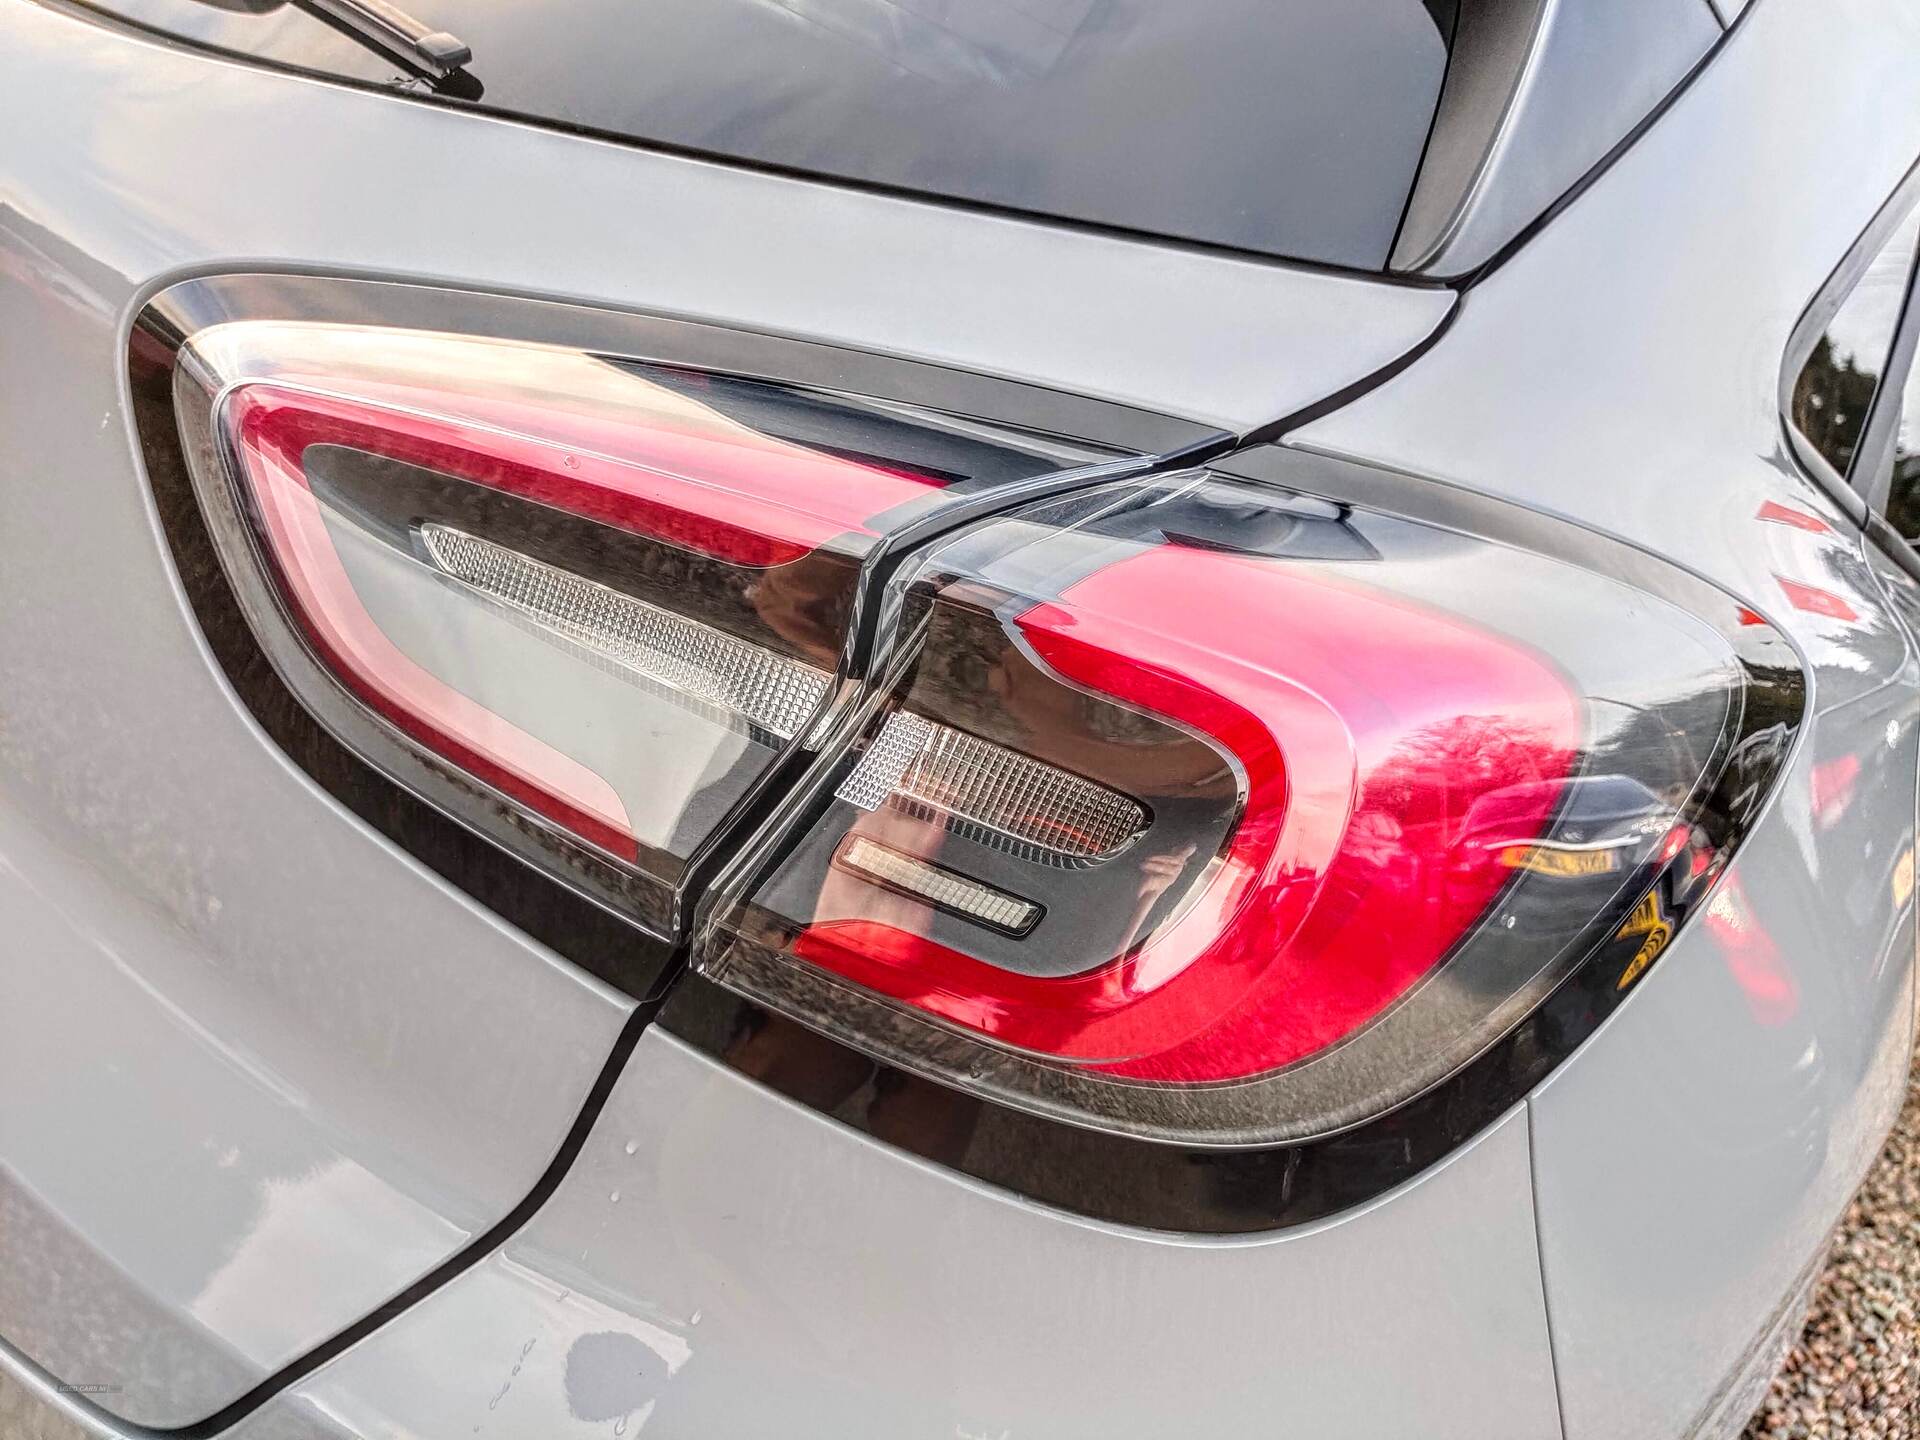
(393, 30)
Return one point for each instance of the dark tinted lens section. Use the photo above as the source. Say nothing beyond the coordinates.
(1835, 387)
(1031, 788)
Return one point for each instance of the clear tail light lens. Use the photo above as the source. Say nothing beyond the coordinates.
(584, 604)
(1212, 814)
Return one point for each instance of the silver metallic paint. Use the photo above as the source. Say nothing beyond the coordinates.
(266, 170)
(1092, 109)
(723, 1263)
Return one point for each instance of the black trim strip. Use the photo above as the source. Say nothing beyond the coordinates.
(1451, 33)
(1872, 471)
(632, 334)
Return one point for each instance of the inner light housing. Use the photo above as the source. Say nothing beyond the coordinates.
(1383, 809)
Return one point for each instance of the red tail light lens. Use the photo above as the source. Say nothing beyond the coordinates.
(1219, 815)
(584, 604)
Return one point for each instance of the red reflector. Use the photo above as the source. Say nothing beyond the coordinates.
(1785, 515)
(1816, 601)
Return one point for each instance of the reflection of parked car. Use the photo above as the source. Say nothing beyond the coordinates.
(1602, 821)
(893, 718)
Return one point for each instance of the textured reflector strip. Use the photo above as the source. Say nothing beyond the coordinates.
(776, 694)
(938, 886)
(1041, 812)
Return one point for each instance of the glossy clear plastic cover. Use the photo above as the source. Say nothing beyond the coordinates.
(583, 603)
(1214, 814)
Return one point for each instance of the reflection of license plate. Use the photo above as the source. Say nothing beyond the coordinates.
(1545, 860)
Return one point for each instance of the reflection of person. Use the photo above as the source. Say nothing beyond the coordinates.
(805, 603)
(799, 601)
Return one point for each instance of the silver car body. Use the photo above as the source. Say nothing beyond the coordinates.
(265, 1080)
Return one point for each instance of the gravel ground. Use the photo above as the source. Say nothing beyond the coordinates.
(1856, 1371)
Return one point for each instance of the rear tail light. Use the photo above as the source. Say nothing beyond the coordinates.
(1192, 809)
(1206, 813)
(583, 604)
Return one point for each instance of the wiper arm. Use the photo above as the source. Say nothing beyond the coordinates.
(392, 30)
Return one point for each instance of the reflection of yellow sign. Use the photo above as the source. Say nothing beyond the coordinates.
(1546, 860)
(1650, 920)
(1903, 877)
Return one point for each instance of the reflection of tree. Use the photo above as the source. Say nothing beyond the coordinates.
(1830, 400)
(1435, 771)
(1397, 865)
